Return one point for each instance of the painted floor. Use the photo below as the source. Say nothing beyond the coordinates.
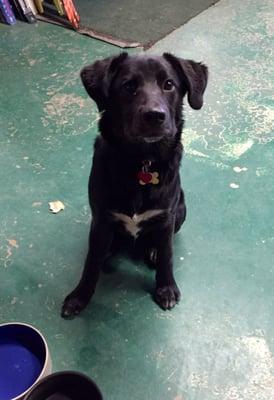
(219, 342)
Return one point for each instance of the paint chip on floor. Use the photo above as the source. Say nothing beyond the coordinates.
(14, 301)
(37, 204)
(13, 243)
(239, 169)
(56, 206)
(261, 171)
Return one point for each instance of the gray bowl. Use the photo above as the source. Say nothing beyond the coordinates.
(66, 385)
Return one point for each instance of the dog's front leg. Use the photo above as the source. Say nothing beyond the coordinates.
(167, 293)
(100, 239)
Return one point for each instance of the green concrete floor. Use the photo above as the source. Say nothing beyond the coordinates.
(219, 342)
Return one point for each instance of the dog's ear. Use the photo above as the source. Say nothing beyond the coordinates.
(192, 74)
(97, 78)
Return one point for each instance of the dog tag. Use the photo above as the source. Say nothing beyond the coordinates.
(145, 176)
(148, 177)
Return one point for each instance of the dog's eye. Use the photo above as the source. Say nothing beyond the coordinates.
(130, 87)
(169, 85)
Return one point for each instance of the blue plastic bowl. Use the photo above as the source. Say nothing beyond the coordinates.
(24, 360)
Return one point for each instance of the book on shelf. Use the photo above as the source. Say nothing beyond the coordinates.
(32, 6)
(18, 12)
(2, 19)
(7, 12)
(27, 11)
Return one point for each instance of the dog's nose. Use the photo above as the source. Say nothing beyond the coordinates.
(154, 116)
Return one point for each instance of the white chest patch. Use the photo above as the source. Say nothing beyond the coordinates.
(131, 224)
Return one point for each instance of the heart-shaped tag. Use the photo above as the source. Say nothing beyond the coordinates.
(144, 177)
(148, 177)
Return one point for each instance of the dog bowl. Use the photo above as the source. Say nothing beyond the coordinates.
(24, 360)
(65, 385)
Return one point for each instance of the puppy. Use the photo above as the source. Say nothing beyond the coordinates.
(135, 194)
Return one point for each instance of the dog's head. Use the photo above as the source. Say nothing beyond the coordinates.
(140, 97)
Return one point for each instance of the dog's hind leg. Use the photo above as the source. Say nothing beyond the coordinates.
(115, 248)
(107, 267)
(150, 257)
(180, 213)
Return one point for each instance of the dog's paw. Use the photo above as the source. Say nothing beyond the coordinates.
(167, 296)
(72, 306)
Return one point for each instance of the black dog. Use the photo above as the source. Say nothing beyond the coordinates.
(134, 188)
